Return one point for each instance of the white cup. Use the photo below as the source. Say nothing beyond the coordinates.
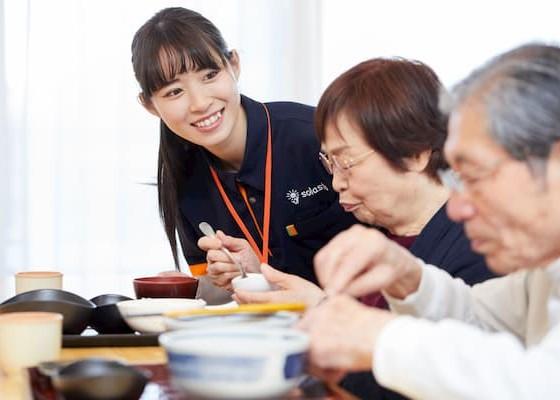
(32, 280)
(28, 338)
(254, 282)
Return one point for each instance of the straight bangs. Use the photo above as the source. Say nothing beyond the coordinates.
(173, 55)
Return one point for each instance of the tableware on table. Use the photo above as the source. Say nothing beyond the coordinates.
(28, 338)
(264, 308)
(253, 282)
(96, 379)
(33, 280)
(105, 317)
(146, 315)
(279, 319)
(271, 315)
(229, 362)
(75, 309)
(166, 286)
(208, 231)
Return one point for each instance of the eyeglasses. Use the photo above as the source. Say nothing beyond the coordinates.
(341, 163)
(453, 180)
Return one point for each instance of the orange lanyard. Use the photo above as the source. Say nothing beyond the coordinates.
(243, 192)
(264, 252)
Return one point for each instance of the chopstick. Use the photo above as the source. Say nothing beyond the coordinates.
(265, 308)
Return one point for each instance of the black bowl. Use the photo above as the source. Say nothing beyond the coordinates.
(75, 309)
(106, 317)
(99, 379)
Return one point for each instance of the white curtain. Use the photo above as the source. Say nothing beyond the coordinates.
(4, 161)
(76, 146)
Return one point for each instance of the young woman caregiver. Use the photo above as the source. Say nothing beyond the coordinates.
(249, 169)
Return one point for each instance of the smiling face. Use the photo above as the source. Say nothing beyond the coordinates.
(372, 190)
(508, 213)
(203, 106)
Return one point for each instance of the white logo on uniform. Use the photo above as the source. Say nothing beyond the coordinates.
(293, 195)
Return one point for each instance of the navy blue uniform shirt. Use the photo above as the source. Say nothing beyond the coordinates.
(302, 194)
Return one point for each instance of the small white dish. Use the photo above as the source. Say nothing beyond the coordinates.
(253, 282)
(136, 313)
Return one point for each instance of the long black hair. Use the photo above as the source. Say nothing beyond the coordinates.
(174, 41)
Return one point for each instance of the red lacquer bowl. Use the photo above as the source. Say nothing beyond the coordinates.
(166, 286)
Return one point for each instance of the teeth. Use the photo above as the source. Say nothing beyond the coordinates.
(210, 120)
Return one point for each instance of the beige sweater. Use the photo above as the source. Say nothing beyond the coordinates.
(507, 345)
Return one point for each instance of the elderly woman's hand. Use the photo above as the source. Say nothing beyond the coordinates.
(290, 288)
(362, 260)
(220, 269)
(343, 333)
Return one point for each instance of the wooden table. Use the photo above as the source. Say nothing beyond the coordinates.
(131, 355)
(16, 385)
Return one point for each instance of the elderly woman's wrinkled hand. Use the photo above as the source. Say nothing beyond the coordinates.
(343, 333)
(221, 270)
(289, 288)
(362, 260)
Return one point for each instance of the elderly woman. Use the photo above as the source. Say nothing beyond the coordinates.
(382, 138)
(499, 339)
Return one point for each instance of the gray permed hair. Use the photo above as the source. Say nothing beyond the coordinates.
(520, 91)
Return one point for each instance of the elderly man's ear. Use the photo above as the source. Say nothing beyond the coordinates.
(553, 165)
(555, 151)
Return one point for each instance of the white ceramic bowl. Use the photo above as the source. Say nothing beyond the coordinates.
(252, 283)
(130, 309)
(242, 363)
(281, 319)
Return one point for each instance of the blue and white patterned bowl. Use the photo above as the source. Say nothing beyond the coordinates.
(240, 363)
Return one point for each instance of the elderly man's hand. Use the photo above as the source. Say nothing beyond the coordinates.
(343, 333)
(220, 269)
(290, 288)
(362, 260)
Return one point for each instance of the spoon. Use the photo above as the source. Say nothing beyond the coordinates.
(209, 232)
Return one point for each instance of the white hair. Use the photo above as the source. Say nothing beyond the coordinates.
(520, 91)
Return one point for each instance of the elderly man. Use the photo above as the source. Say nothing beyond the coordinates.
(499, 339)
